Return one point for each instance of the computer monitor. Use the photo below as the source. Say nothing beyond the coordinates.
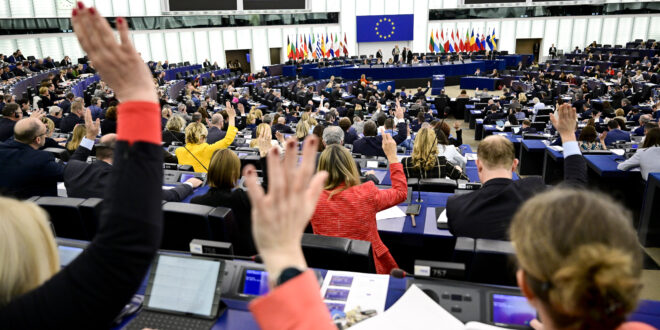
(511, 310)
(185, 285)
(254, 282)
(69, 250)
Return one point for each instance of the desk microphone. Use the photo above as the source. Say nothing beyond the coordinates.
(398, 273)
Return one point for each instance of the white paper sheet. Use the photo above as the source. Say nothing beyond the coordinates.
(618, 152)
(471, 156)
(392, 212)
(415, 310)
(349, 290)
(443, 217)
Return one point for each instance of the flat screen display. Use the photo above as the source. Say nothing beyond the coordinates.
(255, 282)
(511, 310)
(185, 285)
(273, 4)
(202, 5)
(68, 253)
(186, 176)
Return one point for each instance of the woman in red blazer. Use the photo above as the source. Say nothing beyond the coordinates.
(348, 209)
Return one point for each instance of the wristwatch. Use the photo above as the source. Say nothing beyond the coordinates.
(288, 274)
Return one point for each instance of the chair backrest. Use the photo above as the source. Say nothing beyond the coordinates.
(539, 125)
(65, 216)
(464, 252)
(224, 227)
(338, 253)
(433, 185)
(183, 222)
(90, 211)
(493, 263)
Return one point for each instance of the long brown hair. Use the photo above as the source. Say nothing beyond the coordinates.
(224, 169)
(338, 162)
(580, 256)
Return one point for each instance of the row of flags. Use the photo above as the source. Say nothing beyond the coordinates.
(455, 42)
(316, 46)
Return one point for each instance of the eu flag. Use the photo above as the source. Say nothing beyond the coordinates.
(384, 28)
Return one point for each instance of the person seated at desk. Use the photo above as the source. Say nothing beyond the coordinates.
(87, 180)
(494, 115)
(363, 80)
(527, 127)
(197, 152)
(348, 209)
(370, 144)
(494, 74)
(590, 140)
(223, 176)
(11, 114)
(647, 158)
(74, 118)
(487, 212)
(173, 131)
(40, 295)
(477, 73)
(415, 60)
(350, 135)
(264, 135)
(421, 94)
(278, 232)
(615, 133)
(426, 163)
(282, 127)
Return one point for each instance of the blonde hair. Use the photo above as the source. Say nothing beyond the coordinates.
(256, 113)
(522, 97)
(43, 90)
(251, 119)
(196, 133)
(76, 137)
(338, 162)
(620, 113)
(28, 253)
(224, 169)
(263, 133)
(49, 124)
(580, 256)
(302, 130)
(425, 149)
(496, 151)
(175, 124)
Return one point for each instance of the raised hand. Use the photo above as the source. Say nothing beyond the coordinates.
(389, 147)
(92, 127)
(118, 63)
(37, 114)
(279, 218)
(564, 120)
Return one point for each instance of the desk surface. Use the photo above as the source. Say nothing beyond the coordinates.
(605, 166)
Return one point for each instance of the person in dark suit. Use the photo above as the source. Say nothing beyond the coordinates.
(494, 115)
(409, 56)
(388, 94)
(371, 143)
(224, 173)
(553, 51)
(281, 127)
(349, 134)
(74, 118)
(85, 180)
(614, 133)
(421, 94)
(18, 70)
(66, 103)
(215, 129)
(487, 212)
(379, 54)
(6, 74)
(26, 170)
(10, 115)
(527, 127)
(109, 123)
(55, 114)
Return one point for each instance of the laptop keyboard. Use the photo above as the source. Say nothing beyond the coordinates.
(162, 321)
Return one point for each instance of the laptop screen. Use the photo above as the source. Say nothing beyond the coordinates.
(68, 253)
(184, 284)
(255, 282)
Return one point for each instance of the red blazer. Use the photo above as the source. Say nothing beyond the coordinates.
(352, 214)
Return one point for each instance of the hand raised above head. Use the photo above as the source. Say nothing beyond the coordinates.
(118, 63)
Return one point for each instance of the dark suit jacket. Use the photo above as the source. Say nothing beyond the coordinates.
(169, 137)
(66, 106)
(69, 122)
(373, 145)
(284, 129)
(27, 172)
(108, 126)
(487, 212)
(350, 137)
(6, 129)
(85, 180)
(215, 135)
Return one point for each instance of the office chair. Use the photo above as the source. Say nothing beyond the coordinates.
(493, 263)
(65, 216)
(338, 253)
(183, 222)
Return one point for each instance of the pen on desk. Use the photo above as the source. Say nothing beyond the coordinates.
(412, 217)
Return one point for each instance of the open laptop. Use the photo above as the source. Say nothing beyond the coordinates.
(183, 293)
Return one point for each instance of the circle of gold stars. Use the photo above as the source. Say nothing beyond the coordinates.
(384, 22)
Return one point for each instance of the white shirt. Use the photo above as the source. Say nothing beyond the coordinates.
(452, 155)
(647, 159)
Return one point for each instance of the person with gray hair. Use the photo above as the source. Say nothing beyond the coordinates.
(55, 114)
(215, 130)
(643, 120)
(333, 135)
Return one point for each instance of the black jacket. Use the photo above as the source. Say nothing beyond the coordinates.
(85, 180)
(69, 122)
(373, 145)
(239, 203)
(108, 126)
(115, 262)
(284, 129)
(27, 172)
(487, 212)
(169, 137)
(215, 135)
(6, 129)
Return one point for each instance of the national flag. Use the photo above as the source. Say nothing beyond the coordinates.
(338, 45)
(319, 54)
(445, 42)
(431, 43)
(454, 38)
(331, 51)
(467, 40)
(473, 43)
(345, 45)
(483, 42)
(322, 46)
(489, 43)
(493, 40)
(461, 45)
(288, 48)
(438, 47)
(305, 50)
